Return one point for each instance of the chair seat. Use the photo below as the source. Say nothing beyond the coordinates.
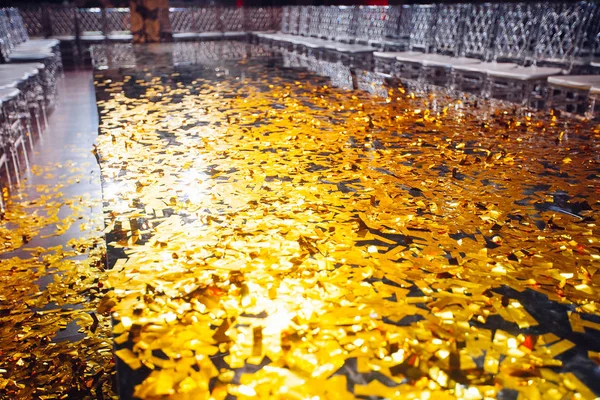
(23, 57)
(583, 82)
(14, 71)
(595, 90)
(388, 55)
(210, 35)
(399, 55)
(355, 48)
(526, 73)
(185, 35)
(92, 37)
(234, 34)
(440, 60)
(8, 94)
(38, 43)
(64, 38)
(120, 37)
(485, 67)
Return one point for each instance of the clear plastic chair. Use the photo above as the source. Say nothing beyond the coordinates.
(422, 22)
(232, 22)
(448, 36)
(208, 23)
(183, 23)
(259, 19)
(33, 19)
(558, 36)
(13, 132)
(90, 27)
(62, 21)
(118, 24)
(512, 44)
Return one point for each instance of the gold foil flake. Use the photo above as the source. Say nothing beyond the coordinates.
(314, 243)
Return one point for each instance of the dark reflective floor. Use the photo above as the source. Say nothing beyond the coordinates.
(272, 235)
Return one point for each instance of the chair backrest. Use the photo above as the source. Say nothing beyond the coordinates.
(5, 40)
(370, 23)
(17, 25)
(294, 18)
(285, 19)
(33, 20)
(182, 19)
(62, 21)
(448, 28)
(118, 20)
(327, 22)
(590, 42)
(259, 18)
(478, 30)
(304, 20)
(560, 33)
(232, 19)
(314, 24)
(90, 21)
(405, 22)
(422, 26)
(391, 28)
(207, 19)
(345, 28)
(277, 17)
(515, 32)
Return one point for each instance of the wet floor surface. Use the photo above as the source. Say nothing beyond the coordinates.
(53, 341)
(273, 236)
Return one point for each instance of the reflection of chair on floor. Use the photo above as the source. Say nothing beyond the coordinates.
(3, 169)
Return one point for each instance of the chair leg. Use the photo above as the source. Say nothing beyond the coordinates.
(38, 125)
(25, 155)
(44, 114)
(15, 160)
(29, 135)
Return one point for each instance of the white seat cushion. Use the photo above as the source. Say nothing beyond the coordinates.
(583, 82)
(64, 38)
(391, 55)
(123, 37)
(355, 48)
(38, 43)
(484, 67)
(440, 60)
(8, 93)
(410, 56)
(29, 56)
(526, 73)
(185, 35)
(92, 38)
(234, 34)
(210, 35)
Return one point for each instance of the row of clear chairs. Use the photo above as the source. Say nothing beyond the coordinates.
(77, 29)
(506, 51)
(28, 91)
(213, 23)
